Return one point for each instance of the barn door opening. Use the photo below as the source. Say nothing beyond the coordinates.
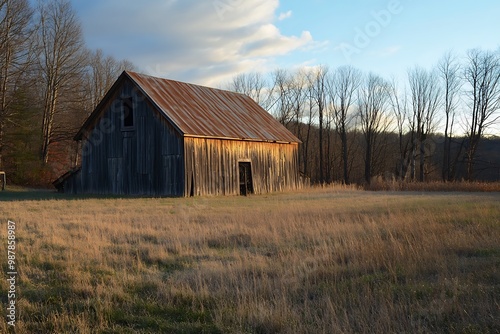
(191, 191)
(246, 182)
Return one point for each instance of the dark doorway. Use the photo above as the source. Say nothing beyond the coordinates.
(191, 191)
(246, 183)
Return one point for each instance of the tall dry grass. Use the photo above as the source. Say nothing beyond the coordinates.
(328, 260)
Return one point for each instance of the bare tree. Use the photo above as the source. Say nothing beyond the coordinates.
(373, 99)
(282, 96)
(425, 100)
(399, 106)
(343, 85)
(482, 74)
(298, 97)
(318, 91)
(62, 60)
(16, 32)
(254, 85)
(311, 114)
(449, 70)
(100, 76)
(329, 121)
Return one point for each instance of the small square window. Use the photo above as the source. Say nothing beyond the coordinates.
(127, 113)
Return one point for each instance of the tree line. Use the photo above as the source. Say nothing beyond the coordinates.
(49, 83)
(355, 126)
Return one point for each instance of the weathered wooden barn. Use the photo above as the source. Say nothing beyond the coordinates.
(157, 137)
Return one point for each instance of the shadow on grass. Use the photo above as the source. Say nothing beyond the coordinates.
(10, 195)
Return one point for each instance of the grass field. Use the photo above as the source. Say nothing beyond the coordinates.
(319, 261)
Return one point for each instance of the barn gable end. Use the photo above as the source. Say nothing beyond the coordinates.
(143, 159)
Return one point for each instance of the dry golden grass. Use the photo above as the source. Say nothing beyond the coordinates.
(328, 260)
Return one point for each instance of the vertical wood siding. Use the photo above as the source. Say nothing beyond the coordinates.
(212, 166)
(146, 159)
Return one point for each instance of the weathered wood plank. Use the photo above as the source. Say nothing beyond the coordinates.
(215, 165)
(131, 161)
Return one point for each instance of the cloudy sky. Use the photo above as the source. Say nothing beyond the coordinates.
(210, 41)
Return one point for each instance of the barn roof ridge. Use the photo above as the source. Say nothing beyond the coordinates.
(183, 82)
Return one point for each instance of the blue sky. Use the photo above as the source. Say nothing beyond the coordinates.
(209, 41)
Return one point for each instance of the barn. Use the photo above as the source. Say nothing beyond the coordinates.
(157, 137)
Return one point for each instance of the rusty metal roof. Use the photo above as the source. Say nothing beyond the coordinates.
(208, 112)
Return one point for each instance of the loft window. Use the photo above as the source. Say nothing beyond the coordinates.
(127, 113)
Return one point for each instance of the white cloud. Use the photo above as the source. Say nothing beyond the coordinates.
(198, 41)
(284, 16)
